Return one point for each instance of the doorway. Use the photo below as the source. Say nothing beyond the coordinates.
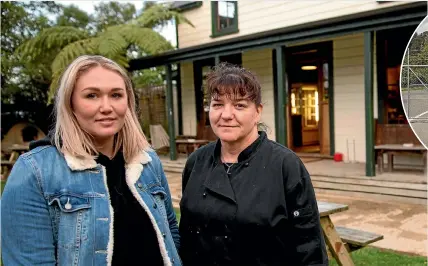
(308, 72)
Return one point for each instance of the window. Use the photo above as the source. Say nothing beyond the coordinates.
(224, 18)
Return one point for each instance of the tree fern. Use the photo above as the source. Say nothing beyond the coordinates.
(149, 41)
(114, 42)
(159, 15)
(50, 38)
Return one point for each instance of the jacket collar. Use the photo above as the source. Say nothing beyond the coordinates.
(246, 153)
(81, 164)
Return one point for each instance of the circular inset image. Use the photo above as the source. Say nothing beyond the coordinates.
(414, 82)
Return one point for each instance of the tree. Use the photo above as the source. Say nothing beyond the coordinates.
(113, 13)
(74, 17)
(24, 82)
(119, 42)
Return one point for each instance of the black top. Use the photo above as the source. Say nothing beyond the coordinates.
(135, 239)
(263, 213)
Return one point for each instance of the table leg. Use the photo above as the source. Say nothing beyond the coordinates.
(334, 243)
(425, 159)
(390, 161)
(380, 162)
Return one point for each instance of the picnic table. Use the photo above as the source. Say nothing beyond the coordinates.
(341, 241)
(13, 153)
(394, 149)
(191, 144)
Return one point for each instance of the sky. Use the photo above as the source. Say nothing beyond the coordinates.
(168, 31)
(423, 26)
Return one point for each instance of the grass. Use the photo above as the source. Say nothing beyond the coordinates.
(370, 256)
(2, 184)
(377, 257)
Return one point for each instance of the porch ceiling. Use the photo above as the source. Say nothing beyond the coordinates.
(386, 18)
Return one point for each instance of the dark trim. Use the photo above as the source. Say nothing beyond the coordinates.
(179, 101)
(282, 99)
(275, 91)
(176, 35)
(385, 18)
(381, 78)
(231, 30)
(331, 100)
(170, 113)
(368, 89)
(181, 7)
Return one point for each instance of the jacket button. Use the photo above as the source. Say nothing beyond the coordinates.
(164, 235)
(296, 213)
(204, 195)
(247, 164)
(139, 185)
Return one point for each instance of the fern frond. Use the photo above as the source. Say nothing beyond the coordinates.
(71, 52)
(159, 15)
(111, 43)
(65, 57)
(147, 40)
(51, 38)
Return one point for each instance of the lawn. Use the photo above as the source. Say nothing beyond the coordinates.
(371, 256)
(2, 184)
(377, 257)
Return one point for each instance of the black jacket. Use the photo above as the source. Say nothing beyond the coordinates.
(263, 213)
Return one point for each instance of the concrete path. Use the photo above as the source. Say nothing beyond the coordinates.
(404, 226)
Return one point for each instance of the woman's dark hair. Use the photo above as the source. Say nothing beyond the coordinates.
(234, 82)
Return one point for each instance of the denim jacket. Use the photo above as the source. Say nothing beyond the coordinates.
(56, 209)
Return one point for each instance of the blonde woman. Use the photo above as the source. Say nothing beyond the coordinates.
(93, 193)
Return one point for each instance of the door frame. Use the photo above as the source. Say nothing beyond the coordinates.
(323, 54)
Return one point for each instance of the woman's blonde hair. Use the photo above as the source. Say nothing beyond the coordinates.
(70, 138)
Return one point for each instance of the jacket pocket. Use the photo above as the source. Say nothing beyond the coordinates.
(305, 224)
(159, 196)
(72, 219)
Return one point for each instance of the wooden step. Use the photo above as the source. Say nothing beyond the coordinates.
(371, 182)
(370, 196)
(420, 194)
(172, 169)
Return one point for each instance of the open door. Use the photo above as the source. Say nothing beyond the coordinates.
(308, 102)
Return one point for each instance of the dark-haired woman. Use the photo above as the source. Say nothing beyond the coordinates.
(246, 200)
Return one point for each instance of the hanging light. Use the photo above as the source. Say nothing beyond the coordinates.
(309, 67)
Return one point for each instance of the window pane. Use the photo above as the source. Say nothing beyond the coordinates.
(230, 10)
(226, 9)
(226, 14)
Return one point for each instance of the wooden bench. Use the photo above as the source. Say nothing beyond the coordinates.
(341, 241)
(391, 139)
(355, 239)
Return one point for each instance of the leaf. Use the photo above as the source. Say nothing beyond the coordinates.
(159, 15)
(65, 57)
(147, 40)
(50, 38)
(111, 43)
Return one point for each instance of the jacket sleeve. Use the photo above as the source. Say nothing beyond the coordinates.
(172, 219)
(185, 250)
(305, 232)
(27, 237)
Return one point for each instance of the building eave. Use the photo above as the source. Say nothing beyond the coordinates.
(389, 17)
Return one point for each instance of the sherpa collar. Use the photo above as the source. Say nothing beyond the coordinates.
(80, 164)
